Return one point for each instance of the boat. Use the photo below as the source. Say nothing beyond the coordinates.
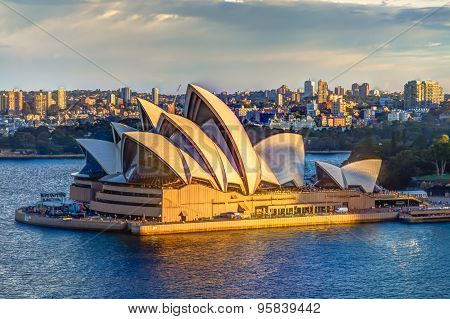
(426, 215)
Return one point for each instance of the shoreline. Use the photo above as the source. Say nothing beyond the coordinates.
(202, 226)
(329, 152)
(49, 156)
(39, 156)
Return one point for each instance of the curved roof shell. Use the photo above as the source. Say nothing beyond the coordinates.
(149, 114)
(105, 153)
(211, 156)
(333, 172)
(285, 155)
(201, 107)
(118, 129)
(179, 162)
(362, 173)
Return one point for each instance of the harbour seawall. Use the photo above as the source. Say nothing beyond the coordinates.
(223, 225)
(92, 225)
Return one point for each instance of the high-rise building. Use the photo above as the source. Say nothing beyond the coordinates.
(61, 98)
(155, 96)
(50, 100)
(112, 99)
(15, 102)
(295, 97)
(125, 95)
(422, 94)
(364, 90)
(339, 90)
(40, 103)
(279, 100)
(309, 88)
(355, 89)
(433, 93)
(4, 105)
(322, 91)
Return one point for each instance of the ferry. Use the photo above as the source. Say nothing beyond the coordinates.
(426, 215)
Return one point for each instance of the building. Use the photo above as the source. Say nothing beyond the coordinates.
(125, 95)
(368, 114)
(398, 115)
(40, 103)
(310, 90)
(295, 97)
(201, 165)
(4, 103)
(61, 98)
(338, 107)
(322, 91)
(355, 89)
(279, 100)
(361, 175)
(155, 96)
(422, 94)
(15, 102)
(50, 100)
(112, 99)
(339, 90)
(386, 102)
(283, 89)
(312, 109)
(364, 90)
(374, 92)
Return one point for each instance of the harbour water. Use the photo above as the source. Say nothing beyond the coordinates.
(383, 260)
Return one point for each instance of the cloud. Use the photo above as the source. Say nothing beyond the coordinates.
(164, 17)
(433, 44)
(248, 45)
(108, 14)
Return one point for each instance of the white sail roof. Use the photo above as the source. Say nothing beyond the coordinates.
(178, 161)
(202, 106)
(267, 174)
(105, 153)
(285, 155)
(362, 173)
(334, 172)
(215, 160)
(120, 128)
(149, 112)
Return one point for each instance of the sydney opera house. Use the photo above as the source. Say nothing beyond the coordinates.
(203, 164)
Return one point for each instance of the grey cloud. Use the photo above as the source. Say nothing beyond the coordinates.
(232, 46)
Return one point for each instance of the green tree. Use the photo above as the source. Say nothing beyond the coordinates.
(440, 153)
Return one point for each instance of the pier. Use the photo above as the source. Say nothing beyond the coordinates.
(148, 229)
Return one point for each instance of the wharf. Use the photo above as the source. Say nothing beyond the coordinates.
(238, 224)
(146, 229)
(68, 223)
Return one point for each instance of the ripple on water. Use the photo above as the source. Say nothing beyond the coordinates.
(388, 260)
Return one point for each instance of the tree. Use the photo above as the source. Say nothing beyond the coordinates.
(440, 153)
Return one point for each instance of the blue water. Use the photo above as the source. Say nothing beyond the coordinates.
(386, 260)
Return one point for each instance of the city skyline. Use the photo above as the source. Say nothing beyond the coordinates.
(266, 43)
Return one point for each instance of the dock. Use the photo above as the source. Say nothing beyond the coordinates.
(69, 223)
(277, 222)
(151, 229)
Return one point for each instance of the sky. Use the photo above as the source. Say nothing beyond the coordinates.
(223, 45)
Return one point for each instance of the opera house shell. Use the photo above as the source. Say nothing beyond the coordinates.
(202, 164)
